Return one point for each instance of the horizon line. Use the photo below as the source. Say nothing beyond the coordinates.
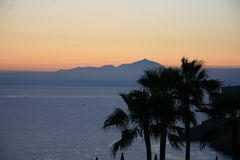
(115, 66)
(56, 70)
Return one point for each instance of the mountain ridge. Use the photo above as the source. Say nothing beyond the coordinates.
(141, 64)
(107, 75)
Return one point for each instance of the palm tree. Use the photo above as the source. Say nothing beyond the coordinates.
(194, 85)
(227, 106)
(134, 123)
(165, 118)
(122, 156)
(162, 85)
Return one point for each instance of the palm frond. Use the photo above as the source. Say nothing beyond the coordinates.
(192, 118)
(206, 138)
(156, 130)
(212, 87)
(118, 119)
(138, 106)
(175, 141)
(177, 130)
(150, 78)
(202, 75)
(126, 140)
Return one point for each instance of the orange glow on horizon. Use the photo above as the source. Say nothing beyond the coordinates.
(51, 35)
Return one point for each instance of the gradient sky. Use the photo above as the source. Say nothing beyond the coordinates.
(59, 34)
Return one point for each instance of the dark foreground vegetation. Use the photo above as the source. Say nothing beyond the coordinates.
(223, 129)
(168, 97)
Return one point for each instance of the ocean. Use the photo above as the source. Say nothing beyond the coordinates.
(65, 123)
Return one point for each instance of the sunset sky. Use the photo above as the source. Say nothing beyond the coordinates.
(42, 35)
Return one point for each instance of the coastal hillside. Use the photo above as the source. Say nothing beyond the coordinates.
(222, 139)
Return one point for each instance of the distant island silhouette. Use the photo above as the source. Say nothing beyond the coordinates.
(107, 75)
(136, 66)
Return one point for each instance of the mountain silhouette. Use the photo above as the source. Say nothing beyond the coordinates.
(136, 66)
(141, 65)
(107, 75)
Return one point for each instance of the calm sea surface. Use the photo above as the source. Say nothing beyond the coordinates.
(64, 123)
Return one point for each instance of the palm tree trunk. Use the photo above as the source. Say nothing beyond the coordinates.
(163, 145)
(235, 154)
(147, 143)
(187, 134)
